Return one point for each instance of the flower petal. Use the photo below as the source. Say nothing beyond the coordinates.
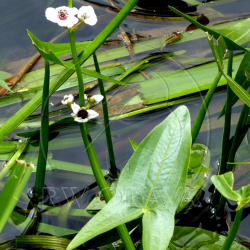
(79, 119)
(51, 14)
(75, 107)
(98, 98)
(69, 22)
(92, 114)
(88, 14)
(68, 99)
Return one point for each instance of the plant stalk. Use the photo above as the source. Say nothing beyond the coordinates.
(113, 171)
(233, 231)
(226, 136)
(204, 106)
(44, 138)
(122, 230)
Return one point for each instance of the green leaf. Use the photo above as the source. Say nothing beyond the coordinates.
(234, 36)
(241, 77)
(198, 165)
(218, 50)
(50, 56)
(58, 49)
(198, 239)
(224, 183)
(133, 144)
(151, 185)
(4, 84)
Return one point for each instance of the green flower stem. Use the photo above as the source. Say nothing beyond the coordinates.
(44, 137)
(226, 135)
(13, 159)
(113, 170)
(122, 230)
(70, 3)
(202, 112)
(233, 231)
(77, 67)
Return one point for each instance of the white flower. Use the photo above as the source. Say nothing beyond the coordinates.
(82, 115)
(87, 15)
(95, 99)
(63, 16)
(68, 99)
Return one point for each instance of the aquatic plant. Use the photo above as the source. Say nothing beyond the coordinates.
(167, 168)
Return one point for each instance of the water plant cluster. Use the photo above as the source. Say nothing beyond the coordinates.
(137, 209)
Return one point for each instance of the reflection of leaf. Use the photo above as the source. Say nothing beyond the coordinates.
(197, 238)
(151, 185)
(224, 183)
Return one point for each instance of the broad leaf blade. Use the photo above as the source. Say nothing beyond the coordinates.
(152, 181)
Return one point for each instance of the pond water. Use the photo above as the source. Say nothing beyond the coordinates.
(16, 48)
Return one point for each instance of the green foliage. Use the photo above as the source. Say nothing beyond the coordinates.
(4, 84)
(12, 190)
(161, 161)
(224, 183)
(218, 52)
(234, 36)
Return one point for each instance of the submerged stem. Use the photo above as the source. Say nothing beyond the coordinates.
(113, 169)
(44, 137)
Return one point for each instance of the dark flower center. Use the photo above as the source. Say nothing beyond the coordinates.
(62, 14)
(82, 113)
(84, 16)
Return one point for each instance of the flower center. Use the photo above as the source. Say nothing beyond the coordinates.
(84, 16)
(82, 113)
(62, 14)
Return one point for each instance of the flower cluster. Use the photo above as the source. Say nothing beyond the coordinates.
(82, 114)
(66, 17)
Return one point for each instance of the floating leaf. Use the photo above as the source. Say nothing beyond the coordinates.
(151, 185)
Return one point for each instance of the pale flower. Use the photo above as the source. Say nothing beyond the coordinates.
(68, 99)
(63, 16)
(82, 115)
(87, 15)
(95, 99)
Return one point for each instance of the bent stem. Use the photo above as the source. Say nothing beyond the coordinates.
(204, 106)
(122, 230)
(113, 170)
(233, 231)
(44, 138)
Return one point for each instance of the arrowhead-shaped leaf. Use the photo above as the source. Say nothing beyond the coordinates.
(49, 55)
(151, 185)
(224, 183)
